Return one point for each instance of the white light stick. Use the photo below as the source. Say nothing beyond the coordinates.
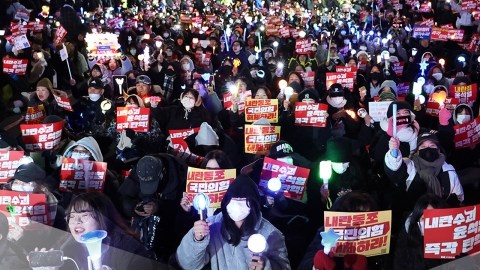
(325, 171)
(257, 244)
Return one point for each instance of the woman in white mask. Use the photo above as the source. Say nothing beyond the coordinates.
(222, 240)
(410, 245)
(187, 70)
(437, 72)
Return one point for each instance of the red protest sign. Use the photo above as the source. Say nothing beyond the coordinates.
(467, 134)
(433, 107)
(82, 175)
(456, 35)
(464, 93)
(449, 232)
(137, 119)
(259, 139)
(211, 18)
(35, 115)
(36, 26)
(293, 178)
(440, 34)
(309, 79)
(347, 69)
(184, 18)
(303, 46)
(261, 108)
(310, 114)
(294, 32)
(425, 8)
(469, 4)
(284, 31)
(22, 15)
(398, 68)
(227, 101)
(345, 79)
(40, 137)
(63, 102)
(271, 30)
(202, 59)
(59, 35)
(180, 147)
(8, 164)
(403, 89)
(213, 183)
(16, 66)
(30, 211)
(430, 22)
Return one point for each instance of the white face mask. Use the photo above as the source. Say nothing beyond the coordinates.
(94, 97)
(188, 103)
(363, 48)
(140, 28)
(238, 210)
(461, 119)
(268, 55)
(22, 188)
(288, 160)
(165, 35)
(169, 53)
(186, 66)
(80, 156)
(337, 100)
(437, 76)
(314, 49)
(391, 50)
(340, 168)
(428, 88)
(117, 33)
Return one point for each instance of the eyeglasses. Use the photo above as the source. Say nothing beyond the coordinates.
(84, 217)
(143, 79)
(81, 152)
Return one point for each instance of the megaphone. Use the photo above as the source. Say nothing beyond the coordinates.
(93, 241)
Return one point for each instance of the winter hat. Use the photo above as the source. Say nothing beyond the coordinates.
(461, 79)
(45, 82)
(427, 136)
(309, 93)
(336, 90)
(390, 84)
(360, 53)
(440, 88)
(206, 135)
(138, 99)
(149, 172)
(52, 119)
(96, 83)
(100, 67)
(242, 187)
(29, 172)
(280, 149)
(400, 105)
(296, 87)
(262, 122)
(387, 95)
(339, 149)
(6, 140)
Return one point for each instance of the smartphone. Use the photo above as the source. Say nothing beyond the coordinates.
(52, 258)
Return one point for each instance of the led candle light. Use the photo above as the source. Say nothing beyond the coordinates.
(414, 51)
(201, 202)
(442, 62)
(234, 90)
(288, 92)
(282, 84)
(274, 184)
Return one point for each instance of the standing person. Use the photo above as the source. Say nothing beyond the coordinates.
(70, 20)
(14, 7)
(221, 240)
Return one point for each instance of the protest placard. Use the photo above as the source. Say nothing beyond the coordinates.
(59, 35)
(137, 119)
(309, 114)
(180, 147)
(227, 101)
(420, 31)
(40, 137)
(102, 44)
(8, 164)
(15, 66)
(21, 42)
(464, 93)
(213, 183)
(308, 79)
(467, 134)
(345, 79)
(261, 108)
(293, 178)
(82, 175)
(378, 110)
(63, 102)
(35, 114)
(469, 5)
(398, 68)
(451, 231)
(259, 139)
(303, 46)
(347, 69)
(433, 107)
(30, 211)
(22, 15)
(366, 233)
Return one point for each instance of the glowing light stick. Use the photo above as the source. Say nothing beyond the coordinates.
(257, 244)
(201, 202)
(325, 171)
(274, 184)
(394, 109)
(329, 240)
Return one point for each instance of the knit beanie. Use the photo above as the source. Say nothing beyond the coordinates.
(29, 172)
(387, 95)
(206, 135)
(400, 105)
(390, 84)
(45, 82)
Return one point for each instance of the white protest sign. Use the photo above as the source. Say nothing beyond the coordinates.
(378, 110)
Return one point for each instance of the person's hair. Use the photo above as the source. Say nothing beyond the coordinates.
(355, 201)
(302, 82)
(135, 100)
(221, 158)
(267, 91)
(229, 230)
(200, 80)
(102, 210)
(180, 113)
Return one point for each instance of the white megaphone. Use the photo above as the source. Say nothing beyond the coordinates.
(93, 241)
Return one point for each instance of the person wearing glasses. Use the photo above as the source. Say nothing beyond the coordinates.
(145, 89)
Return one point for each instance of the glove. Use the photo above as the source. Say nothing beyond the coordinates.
(443, 116)
(130, 133)
(355, 262)
(324, 261)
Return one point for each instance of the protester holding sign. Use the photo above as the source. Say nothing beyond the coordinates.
(44, 95)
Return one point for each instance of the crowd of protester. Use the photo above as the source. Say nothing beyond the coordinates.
(144, 206)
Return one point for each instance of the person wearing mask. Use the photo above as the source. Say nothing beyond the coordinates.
(437, 73)
(209, 97)
(101, 72)
(221, 240)
(374, 81)
(340, 102)
(187, 70)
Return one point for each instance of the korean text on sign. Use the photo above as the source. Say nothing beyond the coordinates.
(64, 102)
(261, 108)
(82, 175)
(258, 138)
(308, 78)
(59, 35)
(40, 137)
(433, 107)
(8, 164)
(16, 66)
(467, 134)
(303, 46)
(180, 147)
(293, 178)
(310, 114)
(449, 232)
(30, 210)
(378, 110)
(227, 101)
(345, 79)
(366, 233)
(464, 93)
(35, 115)
(137, 119)
(213, 183)
(420, 31)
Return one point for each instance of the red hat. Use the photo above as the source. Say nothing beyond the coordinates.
(324, 261)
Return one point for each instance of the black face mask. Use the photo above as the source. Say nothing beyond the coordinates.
(429, 154)
(272, 67)
(170, 72)
(375, 76)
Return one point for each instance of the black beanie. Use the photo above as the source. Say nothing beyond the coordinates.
(400, 105)
(29, 173)
(309, 93)
(461, 79)
(296, 87)
(242, 187)
(336, 90)
(339, 149)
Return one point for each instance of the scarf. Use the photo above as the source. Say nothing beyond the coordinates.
(428, 171)
(168, 85)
